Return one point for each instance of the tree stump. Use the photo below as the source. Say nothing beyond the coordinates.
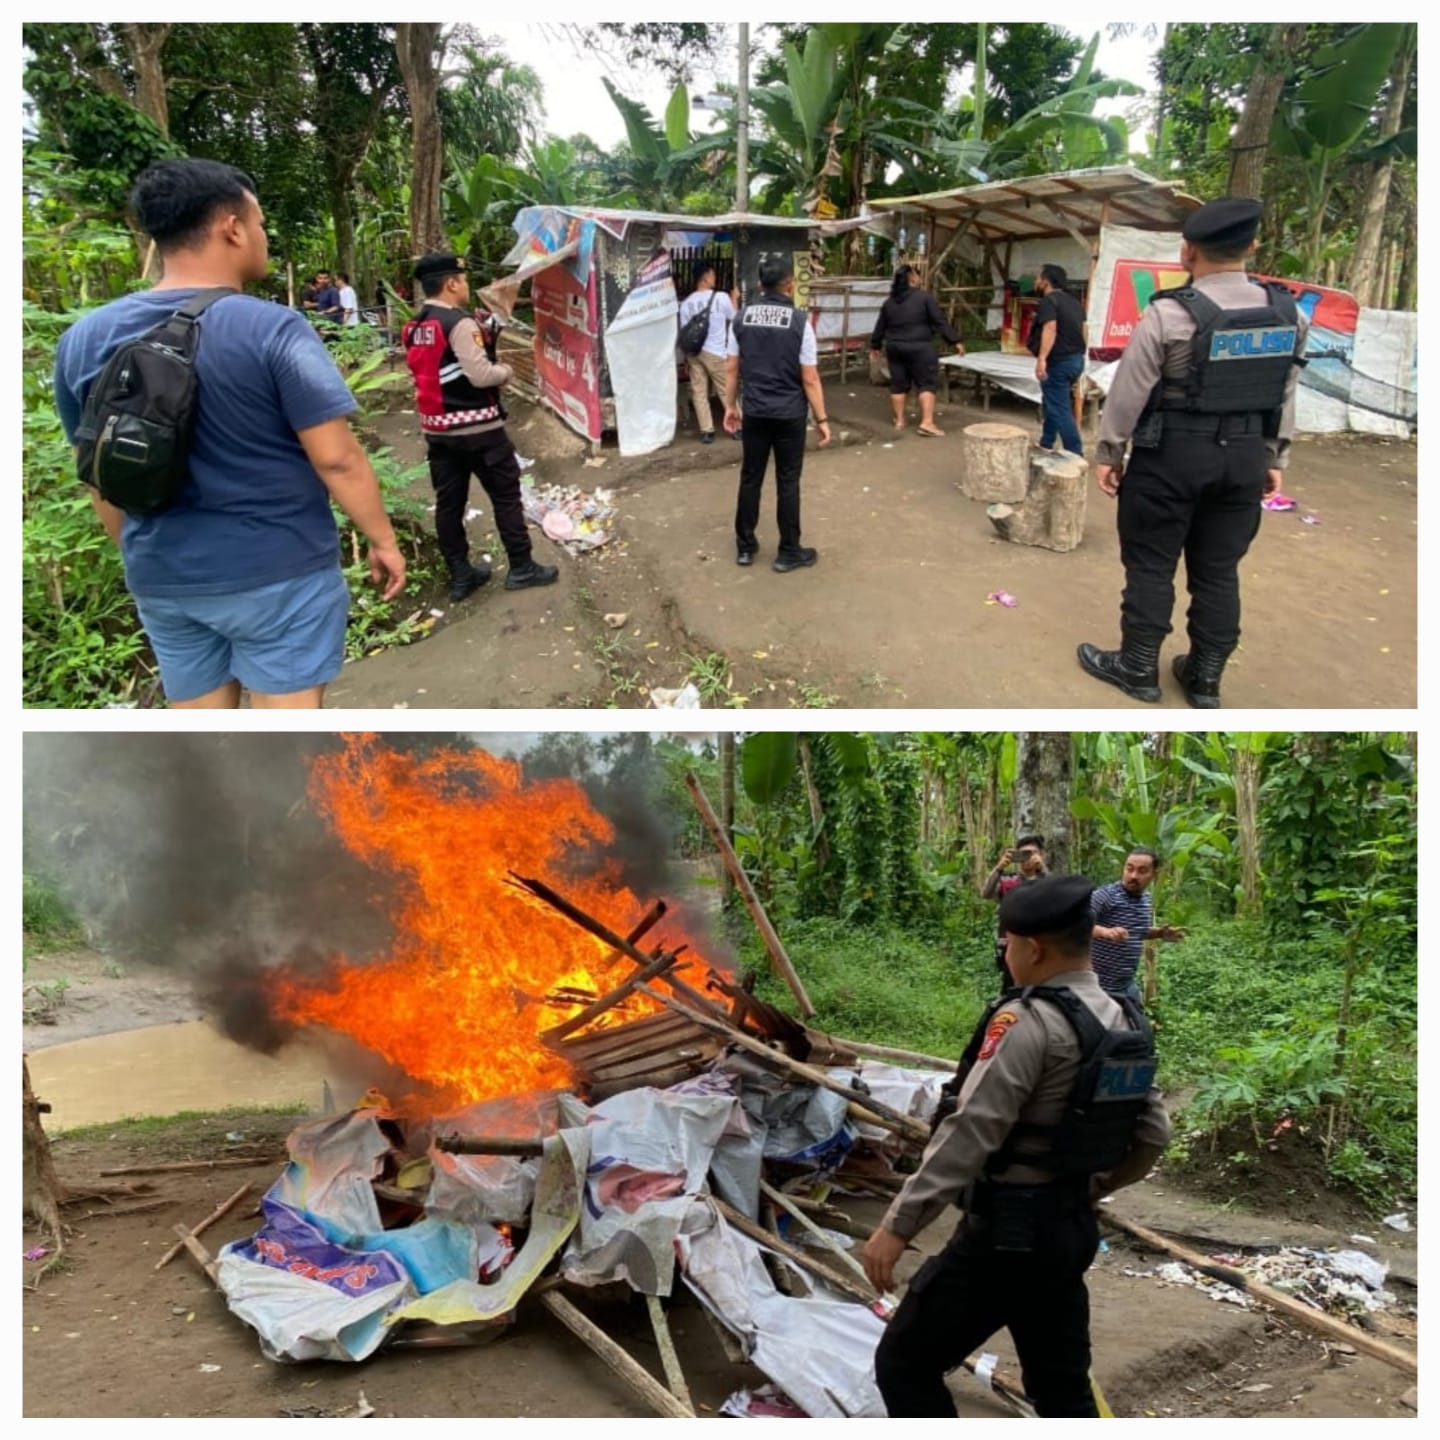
(995, 461)
(1052, 512)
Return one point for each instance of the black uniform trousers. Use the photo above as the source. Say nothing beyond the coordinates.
(1197, 494)
(962, 1296)
(760, 435)
(491, 458)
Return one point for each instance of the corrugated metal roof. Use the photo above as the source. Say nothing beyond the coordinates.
(1042, 207)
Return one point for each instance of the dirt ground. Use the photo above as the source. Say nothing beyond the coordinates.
(109, 1336)
(1330, 607)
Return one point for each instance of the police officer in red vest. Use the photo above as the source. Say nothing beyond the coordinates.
(457, 394)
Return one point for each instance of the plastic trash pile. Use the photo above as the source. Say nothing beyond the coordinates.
(372, 1225)
(580, 520)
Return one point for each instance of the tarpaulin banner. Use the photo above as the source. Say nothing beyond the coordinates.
(545, 229)
(640, 351)
(565, 349)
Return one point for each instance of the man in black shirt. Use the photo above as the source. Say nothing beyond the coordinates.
(1057, 338)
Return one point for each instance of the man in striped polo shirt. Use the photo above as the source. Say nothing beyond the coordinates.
(1124, 917)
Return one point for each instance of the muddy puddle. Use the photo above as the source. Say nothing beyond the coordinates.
(163, 1069)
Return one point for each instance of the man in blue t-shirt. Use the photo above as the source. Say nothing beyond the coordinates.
(238, 585)
(1123, 913)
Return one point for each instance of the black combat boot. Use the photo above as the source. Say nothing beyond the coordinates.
(466, 579)
(522, 577)
(1199, 675)
(1133, 668)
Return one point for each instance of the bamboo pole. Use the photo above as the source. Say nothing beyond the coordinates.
(746, 1226)
(778, 956)
(715, 1022)
(891, 1052)
(669, 1359)
(218, 1213)
(659, 1399)
(194, 1165)
(1295, 1309)
(795, 1212)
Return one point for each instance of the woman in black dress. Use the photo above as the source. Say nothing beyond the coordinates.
(907, 321)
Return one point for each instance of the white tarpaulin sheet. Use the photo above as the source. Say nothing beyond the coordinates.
(640, 351)
(649, 1153)
(1385, 379)
(332, 1162)
(828, 311)
(912, 1092)
(818, 1348)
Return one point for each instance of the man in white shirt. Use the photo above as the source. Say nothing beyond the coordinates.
(707, 369)
(349, 300)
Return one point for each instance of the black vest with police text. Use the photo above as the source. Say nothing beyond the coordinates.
(769, 332)
(1241, 359)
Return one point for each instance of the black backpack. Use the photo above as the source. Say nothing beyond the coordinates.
(133, 442)
(696, 328)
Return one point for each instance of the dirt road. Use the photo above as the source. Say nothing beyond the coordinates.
(895, 613)
(110, 1337)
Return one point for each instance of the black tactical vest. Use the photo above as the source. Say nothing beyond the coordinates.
(769, 332)
(1241, 359)
(1110, 1091)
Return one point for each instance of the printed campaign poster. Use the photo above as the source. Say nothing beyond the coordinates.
(565, 349)
(640, 351)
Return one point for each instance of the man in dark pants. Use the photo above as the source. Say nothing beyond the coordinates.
(1030, 852)
(1027, 1156)
(772, 350)
(1205, 394)
(1058, 341)
(457, 395)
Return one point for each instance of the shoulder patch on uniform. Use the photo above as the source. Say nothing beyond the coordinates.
(995, 1033)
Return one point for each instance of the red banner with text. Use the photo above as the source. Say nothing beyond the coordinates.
(565, 348)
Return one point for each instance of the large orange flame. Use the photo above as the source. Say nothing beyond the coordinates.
(459, 1001)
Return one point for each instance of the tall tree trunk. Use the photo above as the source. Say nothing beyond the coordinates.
(1042, 792)
(416, 47)
(1251, 141)
(727, 801)
(1247, 784)
(343, 213)
(145, 45)
(1365, 277)
(1408, 297)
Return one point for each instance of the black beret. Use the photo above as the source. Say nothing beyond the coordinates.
(1224, 223)
(439, 263)
(1047, 906)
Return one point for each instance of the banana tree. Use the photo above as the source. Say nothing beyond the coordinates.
(665, 160)
(793, 148)
(1063, 133)
(1327, 113)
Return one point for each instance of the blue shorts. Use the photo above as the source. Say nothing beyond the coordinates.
(274, 640)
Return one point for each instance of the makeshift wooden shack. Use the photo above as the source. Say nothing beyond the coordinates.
(1084, 220)
(606, 286)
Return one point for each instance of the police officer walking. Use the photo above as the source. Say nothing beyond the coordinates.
(772, 353)
(1055, 1107)
(457, 395)
(1205, 394)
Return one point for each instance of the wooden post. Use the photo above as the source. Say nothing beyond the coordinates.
(202, 1257)
(727, 801)
(1286, 1304)
(652, 917)
(674, 1375)
(180, 1165)
(650, 1390)
(491, 1145)
(845, 339)
(889, 1052)
(218, 1213)
(779, 958)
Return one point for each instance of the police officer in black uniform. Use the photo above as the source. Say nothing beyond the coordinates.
(1053, 1106)
(1205, 396)
(772, 353)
